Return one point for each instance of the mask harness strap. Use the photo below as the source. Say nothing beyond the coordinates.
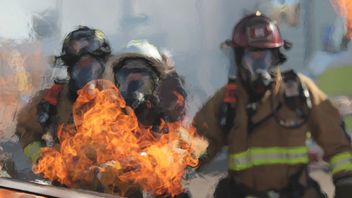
(296, 102)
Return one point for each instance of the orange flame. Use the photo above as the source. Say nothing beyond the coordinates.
(106, 145)
(344, 8)
(180, 99)
(14, 79)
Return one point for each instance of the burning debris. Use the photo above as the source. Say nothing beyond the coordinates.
(107, 148)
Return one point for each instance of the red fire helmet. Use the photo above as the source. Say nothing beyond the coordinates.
(257, 31)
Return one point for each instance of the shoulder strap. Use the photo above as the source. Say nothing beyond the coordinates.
(296, 98)
(295, 91)
(227, 109)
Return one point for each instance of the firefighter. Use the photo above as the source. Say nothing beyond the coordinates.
(148, 81)
(145, 77)
(84, 53)
(264, 117)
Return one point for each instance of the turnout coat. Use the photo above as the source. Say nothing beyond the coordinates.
(265, 158)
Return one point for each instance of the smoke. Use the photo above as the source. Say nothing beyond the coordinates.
(191, 30)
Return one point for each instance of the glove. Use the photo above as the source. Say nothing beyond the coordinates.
(45, 112)
(343, 188)
(32, 151)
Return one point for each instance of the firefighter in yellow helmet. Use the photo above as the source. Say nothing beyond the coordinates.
(264, 116)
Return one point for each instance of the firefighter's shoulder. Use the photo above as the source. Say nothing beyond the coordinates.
(27, 124)
(316, 93)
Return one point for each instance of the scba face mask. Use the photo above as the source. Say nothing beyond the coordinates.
(87, 68)
(137, 83)
(258, 69)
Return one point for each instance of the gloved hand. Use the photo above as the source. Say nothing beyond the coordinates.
(32, 151)
(343, 188)
(44, 112)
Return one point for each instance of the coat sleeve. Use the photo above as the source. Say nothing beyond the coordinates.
(326, 127)
(206, 123)
(28, 128)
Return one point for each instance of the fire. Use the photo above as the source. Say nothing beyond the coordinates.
(180, 99)
(106, 146)
(15, 86)
(14, 78)
(344, 8)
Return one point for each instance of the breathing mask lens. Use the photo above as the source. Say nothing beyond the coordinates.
(258, 71)
(135, 84)
(69, 59)
(86, 69)
(258, 63)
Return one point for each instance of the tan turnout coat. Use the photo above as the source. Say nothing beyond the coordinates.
(265, 159)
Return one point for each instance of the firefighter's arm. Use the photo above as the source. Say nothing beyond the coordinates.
(28, 129)
(326, 127)
(206, 123)
(47, 106)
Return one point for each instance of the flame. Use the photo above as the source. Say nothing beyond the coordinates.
(180, 99)
(344, 8)
(15, 81)
(21, 72)
(106, 145)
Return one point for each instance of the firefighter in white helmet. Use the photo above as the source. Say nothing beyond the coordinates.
(148, 81)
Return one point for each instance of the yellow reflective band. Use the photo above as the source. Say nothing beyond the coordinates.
(32, 151)
(258, 156)
(341, 162)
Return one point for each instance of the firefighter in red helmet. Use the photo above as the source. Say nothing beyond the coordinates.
(265, 115)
